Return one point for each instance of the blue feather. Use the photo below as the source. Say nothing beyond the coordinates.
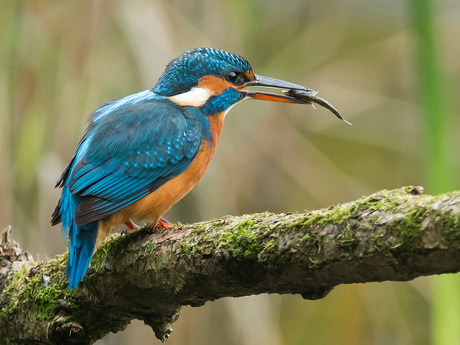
(116, 171)
(111, 106)
(82, 239)
(221, 102)
(82, 242)
(184, 72)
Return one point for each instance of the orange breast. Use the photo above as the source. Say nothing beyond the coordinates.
(151, 207)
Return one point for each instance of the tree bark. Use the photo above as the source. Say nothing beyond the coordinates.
(150, 274)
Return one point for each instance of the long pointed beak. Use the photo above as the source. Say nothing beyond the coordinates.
(293, 93)
(273, 83)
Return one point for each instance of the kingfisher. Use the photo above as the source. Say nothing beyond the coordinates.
(141, 154)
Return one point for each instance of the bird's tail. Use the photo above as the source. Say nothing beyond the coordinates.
(82, 241)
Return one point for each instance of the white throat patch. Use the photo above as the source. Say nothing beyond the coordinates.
(195, 97)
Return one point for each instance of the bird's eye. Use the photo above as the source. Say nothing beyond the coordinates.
(236, 78)
(232, 77)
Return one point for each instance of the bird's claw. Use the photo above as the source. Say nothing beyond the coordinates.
(163, 224)
(131, 227)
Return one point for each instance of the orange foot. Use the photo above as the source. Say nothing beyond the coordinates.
(131, 227)
(163, 224)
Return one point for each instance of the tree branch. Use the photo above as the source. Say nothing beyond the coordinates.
(390, 235)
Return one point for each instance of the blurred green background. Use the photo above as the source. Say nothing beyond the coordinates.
(391, 67)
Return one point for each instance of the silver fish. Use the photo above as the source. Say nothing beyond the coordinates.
(310, 96)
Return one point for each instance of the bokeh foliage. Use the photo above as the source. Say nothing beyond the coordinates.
(60, 60)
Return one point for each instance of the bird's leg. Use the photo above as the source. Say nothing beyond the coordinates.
(131, 227)
(163, 224)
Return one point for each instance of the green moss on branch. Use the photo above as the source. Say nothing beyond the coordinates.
(149, 275)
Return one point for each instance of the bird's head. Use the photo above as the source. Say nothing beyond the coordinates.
(215, 80)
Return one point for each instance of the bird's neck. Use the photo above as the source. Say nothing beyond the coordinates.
(222, 102)
(216, 124)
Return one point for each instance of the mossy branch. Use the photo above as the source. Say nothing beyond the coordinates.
(151, 274)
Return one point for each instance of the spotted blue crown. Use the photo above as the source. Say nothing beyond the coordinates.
(184, 72)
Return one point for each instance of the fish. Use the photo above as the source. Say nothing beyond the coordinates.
(310, 96)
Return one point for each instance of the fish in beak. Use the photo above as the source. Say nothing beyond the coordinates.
(292, 93)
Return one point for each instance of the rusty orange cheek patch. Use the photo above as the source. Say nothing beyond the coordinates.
(250, 75)
(215, 85)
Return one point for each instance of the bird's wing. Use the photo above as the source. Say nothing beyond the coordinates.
(129, 154)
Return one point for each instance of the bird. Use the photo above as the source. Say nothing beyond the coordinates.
(142, 153)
